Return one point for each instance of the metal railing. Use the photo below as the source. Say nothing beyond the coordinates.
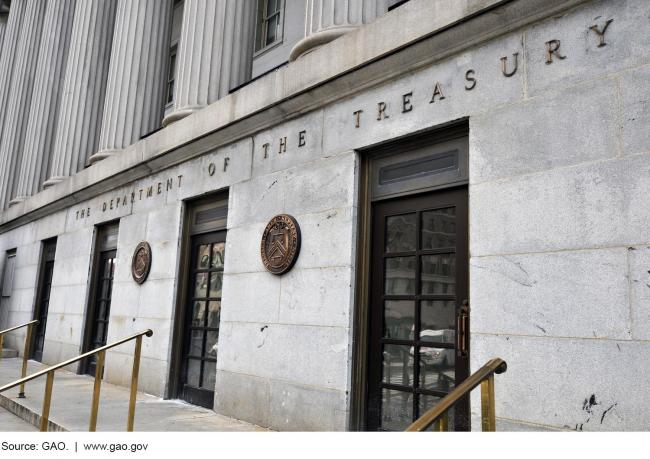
(485, 377)
(28, 342)
(99, 369)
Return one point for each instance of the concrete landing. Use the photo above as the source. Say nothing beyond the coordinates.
(71, 400)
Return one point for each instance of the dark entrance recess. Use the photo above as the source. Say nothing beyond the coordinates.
(100, 308)
(419, 284)
(46, 271)
(202, 320)
(196, 332)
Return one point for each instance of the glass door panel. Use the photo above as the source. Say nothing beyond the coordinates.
(418, 283)
(199, 365)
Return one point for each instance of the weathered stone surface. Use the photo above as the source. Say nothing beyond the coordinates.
(275, 350)
(592, 205)
(549, 142)
(640, 291)
(526, 294)
(318, 296)
(565, 374)
(636, 115)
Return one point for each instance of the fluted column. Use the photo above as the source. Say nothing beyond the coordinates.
(4, 15)
(8, 54)
(137, 74)
(84, 88)
(41, 124)
(329, 19)
(215, 53)
(20, 94)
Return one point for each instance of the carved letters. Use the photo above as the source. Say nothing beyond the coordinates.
(509, 68)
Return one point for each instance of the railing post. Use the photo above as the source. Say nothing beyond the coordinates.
(99, 370)
(46, 401)
(2, 339)
(134, 383)
(28, 340)
(443, 423)
(488, 417)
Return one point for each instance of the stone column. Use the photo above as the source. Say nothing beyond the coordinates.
(84, 88)
(137, 75)
(329, 19)
(8, 54)
(215, 53)
(41, 124)
(4, 15)
(20, 95)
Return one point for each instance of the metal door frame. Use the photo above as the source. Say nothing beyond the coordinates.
(38, 304)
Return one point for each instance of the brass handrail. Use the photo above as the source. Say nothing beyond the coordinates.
(485, 377)
(99, 368)
(28, 342)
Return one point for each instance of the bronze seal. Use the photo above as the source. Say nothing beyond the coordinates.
(280, 244)
(141, 262)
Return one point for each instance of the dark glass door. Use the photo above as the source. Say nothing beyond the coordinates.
(102, 305)
(199, 357)
(418, 287)
(43, 299)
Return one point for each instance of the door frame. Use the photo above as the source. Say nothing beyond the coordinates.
(174, 388)
(86, 336)
(360, 325)
(38, 299)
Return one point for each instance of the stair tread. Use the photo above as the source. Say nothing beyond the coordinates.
(72, 394)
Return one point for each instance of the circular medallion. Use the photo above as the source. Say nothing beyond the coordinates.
(280, 244)
(141, 262)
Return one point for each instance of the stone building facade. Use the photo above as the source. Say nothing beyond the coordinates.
(434, 154)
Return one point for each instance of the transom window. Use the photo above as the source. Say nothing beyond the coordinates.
(269, 23)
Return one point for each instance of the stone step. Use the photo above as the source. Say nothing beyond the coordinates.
(9, 353)
(71, 400)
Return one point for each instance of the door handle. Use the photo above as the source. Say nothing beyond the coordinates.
(462, 332)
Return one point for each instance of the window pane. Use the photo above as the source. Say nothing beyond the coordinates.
(193, 372)
(439, 274)
(196, 343)
(216, 280)
(401, 233)
(214, 313)
(209, 373)
(439, 228)
(201, 285)
(217, 255)
(437, 371)
(211, 344)
(270, 32)
(400, 276)
(398, 365)
(198, 313)
(271, 6)
(203, 258)
(396, 409)
(438, 321)
(399, 317)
